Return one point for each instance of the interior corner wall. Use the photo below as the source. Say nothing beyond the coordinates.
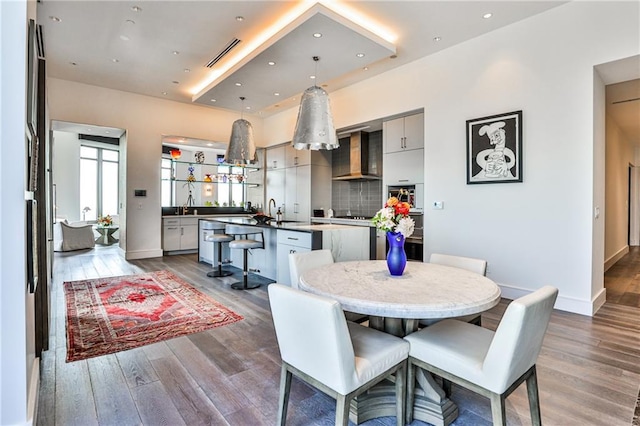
(146, 119)
(620, 154)
(540, 231)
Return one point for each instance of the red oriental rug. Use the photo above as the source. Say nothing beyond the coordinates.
(108, 315)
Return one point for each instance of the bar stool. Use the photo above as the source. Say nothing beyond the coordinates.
(219, 239)
(244, 244)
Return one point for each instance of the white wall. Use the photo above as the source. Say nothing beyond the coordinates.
(146, 120)
(66, 175)
(16, 362)
(619, 155)
(540, 231)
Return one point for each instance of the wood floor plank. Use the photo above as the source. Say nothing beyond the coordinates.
(136, 367)
(114, 403)
(192, 403)
(155, 405)
(75, 403)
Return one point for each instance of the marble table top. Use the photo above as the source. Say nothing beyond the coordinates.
(425, 290)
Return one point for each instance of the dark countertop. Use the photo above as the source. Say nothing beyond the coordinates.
(289, 226)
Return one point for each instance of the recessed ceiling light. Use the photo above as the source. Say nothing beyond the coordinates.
(175, 82)
(164, 93)
(360, 55)
(247, 107)
(115, 60)
(124, 37)
(312, 77)
(393, 56)
(437, 38)
(136, 8)
(487, 15)
(187, 70)
(276, 94)
(130, 22)
(238, 84)
(239, 18)
(213, 100)
(55, 19)
(365, 69)
(317, 35)
(175, 52)
(107, 132)
(271, 63)
(88, 129)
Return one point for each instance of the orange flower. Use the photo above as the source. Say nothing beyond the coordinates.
(391, 202)
(402, 208)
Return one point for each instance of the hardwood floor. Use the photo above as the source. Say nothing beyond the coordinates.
(622, 280)
(588, 369)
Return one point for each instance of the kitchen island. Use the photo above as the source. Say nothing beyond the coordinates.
(345, 242)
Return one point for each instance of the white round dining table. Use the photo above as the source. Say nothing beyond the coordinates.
(395, 305)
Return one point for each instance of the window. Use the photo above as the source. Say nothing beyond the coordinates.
(166, 187)
(98, 182)
(228, 193)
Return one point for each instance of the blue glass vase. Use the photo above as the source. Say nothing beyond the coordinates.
(396, 257)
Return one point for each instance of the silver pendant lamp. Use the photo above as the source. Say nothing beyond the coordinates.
(242, 148)
(314, 128)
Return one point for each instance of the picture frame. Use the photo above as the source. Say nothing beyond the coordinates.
(32, 76)
(494, 148)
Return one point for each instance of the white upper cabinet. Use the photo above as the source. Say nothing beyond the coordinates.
(404, 133)
(276, 157)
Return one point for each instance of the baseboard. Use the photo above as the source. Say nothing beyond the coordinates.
(142, 254)
(613, 259)
(32, 401)
(563, 303)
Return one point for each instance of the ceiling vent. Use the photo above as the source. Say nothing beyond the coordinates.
(224, 52)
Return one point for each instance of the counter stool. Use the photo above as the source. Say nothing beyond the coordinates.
(219, 239)
(245, 244)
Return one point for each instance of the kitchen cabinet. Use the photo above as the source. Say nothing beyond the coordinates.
(296, 157)
(298, 189)
(276, 157)
(290, 242)
(404, 167)
(180, 233)
(404, 133)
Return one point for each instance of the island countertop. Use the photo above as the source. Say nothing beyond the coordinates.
(290, 226)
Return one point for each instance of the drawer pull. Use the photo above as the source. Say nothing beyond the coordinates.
(291, 238)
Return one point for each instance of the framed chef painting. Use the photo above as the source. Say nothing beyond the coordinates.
(494, 148)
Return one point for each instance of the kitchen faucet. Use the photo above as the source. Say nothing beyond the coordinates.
(274, 205)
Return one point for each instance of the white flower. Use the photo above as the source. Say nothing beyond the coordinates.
(405, 226)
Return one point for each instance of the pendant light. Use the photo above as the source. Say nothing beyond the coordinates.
(242, 148)
(314, 128)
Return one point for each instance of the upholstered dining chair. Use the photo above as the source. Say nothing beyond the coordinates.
(300, 262)
(478, 266)
(340, 358)
(492, 364)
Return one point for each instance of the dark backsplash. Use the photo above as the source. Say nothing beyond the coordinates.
(362, 197)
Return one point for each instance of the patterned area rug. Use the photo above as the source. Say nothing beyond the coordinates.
(108, 315)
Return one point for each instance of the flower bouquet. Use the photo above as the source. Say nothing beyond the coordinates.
(395, 220)
(105, 221)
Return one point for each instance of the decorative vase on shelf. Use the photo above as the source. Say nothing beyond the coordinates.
(396, 256)
(207, 178)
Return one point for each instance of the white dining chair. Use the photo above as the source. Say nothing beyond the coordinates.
(340, 358)
(492, 364)
(300, 262)
(478, 266)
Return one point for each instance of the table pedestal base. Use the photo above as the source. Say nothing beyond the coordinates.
(430, 402)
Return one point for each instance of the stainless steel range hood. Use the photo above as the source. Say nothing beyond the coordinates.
(358, 158)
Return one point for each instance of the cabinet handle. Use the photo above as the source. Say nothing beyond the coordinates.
(172, 228)
(292, 251)
(403, 180)
(295, 207)
(181, 231)
(295, 161)
(275, 164)
(291, 238)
